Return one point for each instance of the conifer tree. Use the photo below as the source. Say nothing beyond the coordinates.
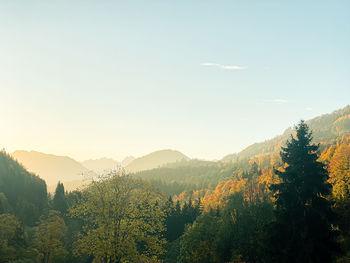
(59, 200)
(303, 229)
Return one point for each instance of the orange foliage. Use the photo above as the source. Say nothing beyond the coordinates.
(218, 196)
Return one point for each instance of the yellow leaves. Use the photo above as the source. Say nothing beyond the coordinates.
(121, 213)
(339, 168)
(219, 196)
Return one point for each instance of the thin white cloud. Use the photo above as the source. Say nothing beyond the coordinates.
(308, 108)
(228, 67)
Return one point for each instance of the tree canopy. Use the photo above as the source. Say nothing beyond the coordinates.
(123, 221)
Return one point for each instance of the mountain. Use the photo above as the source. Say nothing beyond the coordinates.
(325, 128)
(195, 175)
(154, 160)
(51, 168)
(127, 160)
(101, 165)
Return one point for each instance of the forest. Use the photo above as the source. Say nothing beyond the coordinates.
(286, 206)
(174, 131)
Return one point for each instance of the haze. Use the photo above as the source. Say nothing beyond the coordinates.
(207, 78)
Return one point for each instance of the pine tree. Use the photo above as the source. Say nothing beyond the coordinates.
(59, 201)
(303, 229)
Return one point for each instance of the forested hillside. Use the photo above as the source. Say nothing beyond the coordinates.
(189, 210)
(239, 222)
(191, 175)
(22, 194)
(175, 131)
(186, 176)
(325, 128)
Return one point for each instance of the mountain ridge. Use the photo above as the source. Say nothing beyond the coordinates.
(52, 168)
(324, 127)
(155, 159)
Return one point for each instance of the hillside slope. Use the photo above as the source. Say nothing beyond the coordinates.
(127, 160)
(329, 129)
(21, 193)
(50, 167)
(154, 160)
(325, 128)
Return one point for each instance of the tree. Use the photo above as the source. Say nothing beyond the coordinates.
(340, 172)
(12, 243)
(339, 167)
(199, 242)
(48, 238)
(74, 228)
(243, 234)
(59, 202)
(176, 220)
(229, 234)
(303, 229)
(123, 221)
(4, 204)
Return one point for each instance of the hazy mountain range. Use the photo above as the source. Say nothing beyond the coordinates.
(52, 168)
(155, 160)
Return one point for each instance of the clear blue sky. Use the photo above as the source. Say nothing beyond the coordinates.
(91, 79)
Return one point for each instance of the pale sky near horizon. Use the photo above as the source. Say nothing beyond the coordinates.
(92, 79)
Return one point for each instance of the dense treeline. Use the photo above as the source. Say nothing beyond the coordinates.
(193, 175)
(292, 222)
(115, 219)
(16, 191)
(292, 207)
(326, 127)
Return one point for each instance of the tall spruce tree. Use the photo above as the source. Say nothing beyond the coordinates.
(303, 229)
(59, 201)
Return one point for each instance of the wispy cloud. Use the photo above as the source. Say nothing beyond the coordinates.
(308, 108)
(228, 67)
(276, 101)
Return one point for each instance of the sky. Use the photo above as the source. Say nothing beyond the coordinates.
(91, 79)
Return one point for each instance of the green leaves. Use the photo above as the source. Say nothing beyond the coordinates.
(11, 238)
(48, 238)
(122, 221)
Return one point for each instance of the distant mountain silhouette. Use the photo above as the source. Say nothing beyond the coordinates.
(51, 168)
(325, 128)
(127, 160)
(101, 165)
(154, 160)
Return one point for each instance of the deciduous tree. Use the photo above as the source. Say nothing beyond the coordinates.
(48, 238)
(123, 221)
